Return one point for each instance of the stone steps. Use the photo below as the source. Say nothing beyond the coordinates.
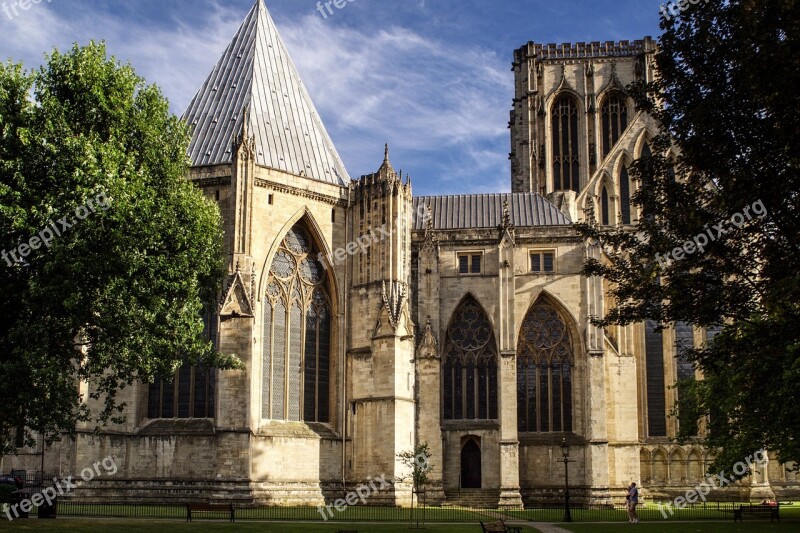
(473, 498)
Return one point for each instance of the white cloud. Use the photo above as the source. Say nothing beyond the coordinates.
(420, 94)
(441, 102)
(175, 56)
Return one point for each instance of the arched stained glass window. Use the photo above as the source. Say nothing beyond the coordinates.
(544, 371)
(566, 161)
(615, 119)
(469, 365)
(296, 335)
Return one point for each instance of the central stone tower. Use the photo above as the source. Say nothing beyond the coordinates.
(380, 362)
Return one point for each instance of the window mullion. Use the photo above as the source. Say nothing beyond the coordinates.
(318, 369)
(538, 399)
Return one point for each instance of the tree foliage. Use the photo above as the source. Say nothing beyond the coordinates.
(418, 460)
(730, 120)
(128, 282)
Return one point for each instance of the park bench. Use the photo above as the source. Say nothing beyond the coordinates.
(194, 508)
(771, 511)
(499, 527)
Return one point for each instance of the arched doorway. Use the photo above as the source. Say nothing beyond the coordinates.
(471, 465)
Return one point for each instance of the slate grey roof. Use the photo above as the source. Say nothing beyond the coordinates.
(256, 73)
(486, 211)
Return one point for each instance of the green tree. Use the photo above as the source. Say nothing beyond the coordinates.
(728, 110)
(85, 138)
(418, 460)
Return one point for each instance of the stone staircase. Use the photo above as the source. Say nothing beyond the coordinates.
(472, 498)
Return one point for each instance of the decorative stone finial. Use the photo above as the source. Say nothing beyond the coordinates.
(428, 347)
(506, 215)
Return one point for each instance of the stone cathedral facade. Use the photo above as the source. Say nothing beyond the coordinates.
(369, 320)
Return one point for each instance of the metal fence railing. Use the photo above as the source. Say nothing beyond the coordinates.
(591, 513)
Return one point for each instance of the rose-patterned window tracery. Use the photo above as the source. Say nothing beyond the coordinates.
(469, 365)
(544, 371)
(297, 334)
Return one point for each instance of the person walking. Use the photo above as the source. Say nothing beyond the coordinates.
(633, 500)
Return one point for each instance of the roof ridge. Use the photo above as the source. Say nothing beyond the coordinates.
(482, 194)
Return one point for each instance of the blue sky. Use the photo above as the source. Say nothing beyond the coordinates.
(430, 77)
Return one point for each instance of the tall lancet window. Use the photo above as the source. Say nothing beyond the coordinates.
(566, 162)
(296, 334)
(625, 195)
(605, 219)
(615, 120)
(544, 371)
(469, 365)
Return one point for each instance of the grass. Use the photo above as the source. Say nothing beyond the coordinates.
(749, 526)
(72, 525)
(649, 512)
(359, 513)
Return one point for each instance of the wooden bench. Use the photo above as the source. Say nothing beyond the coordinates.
(226, 508)
(763, 511)
(499, 527)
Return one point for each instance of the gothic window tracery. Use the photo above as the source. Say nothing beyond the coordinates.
(297, 333)
(544, 371)
(566, 161)
(614, 119)
(469, 365)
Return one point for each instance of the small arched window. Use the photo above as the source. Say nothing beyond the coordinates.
(625, 195)
(647, 180)
(469, 365)
(566, 161)
(604, 208)
(615, 120)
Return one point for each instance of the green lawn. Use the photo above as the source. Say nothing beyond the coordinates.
(72, 525)
(310, 514)
(647, 513)
(749, 526)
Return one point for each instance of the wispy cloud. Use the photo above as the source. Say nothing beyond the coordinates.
(430, 78)
(421, 95)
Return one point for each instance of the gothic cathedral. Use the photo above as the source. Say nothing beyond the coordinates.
(370, 320)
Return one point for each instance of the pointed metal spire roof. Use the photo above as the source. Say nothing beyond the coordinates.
(257, 76)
